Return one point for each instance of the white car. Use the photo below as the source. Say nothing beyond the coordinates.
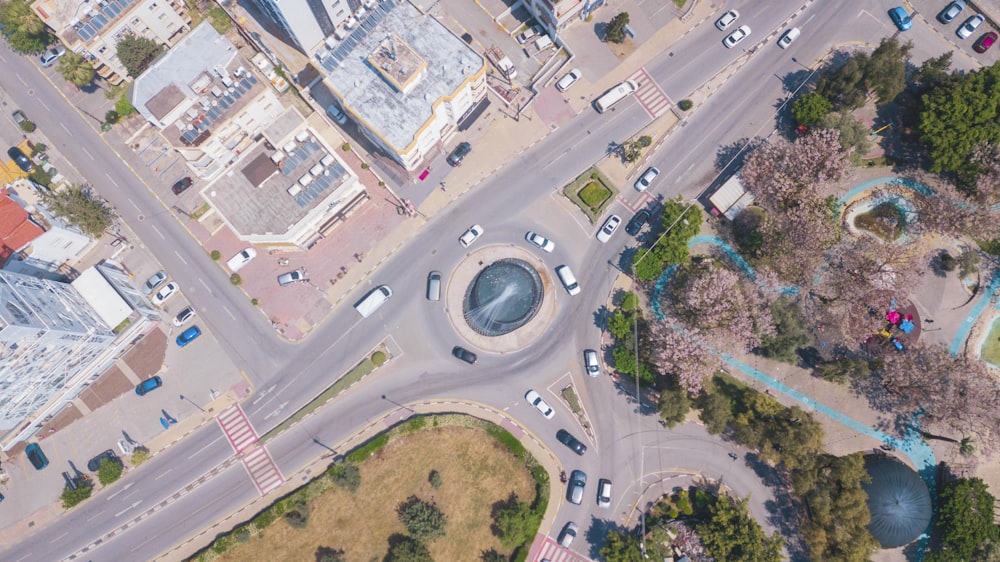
(789, 36)
(541, 405)
(540, 241)
(166, 293)
(726, 20)
(529, 34)
(603, 493)
(237, 262)
(590, 362)
(970, 26)
(569, 79)
(471, 235)
(184, 316)
(52, 55)
(735, 37)
(609, 228)
(647, 178)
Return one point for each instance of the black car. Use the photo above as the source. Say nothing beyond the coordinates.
(456, 156)
(20, 159)
(95, 462)
(638, 220)
(181, 185)
(464, 354)
(573, 443)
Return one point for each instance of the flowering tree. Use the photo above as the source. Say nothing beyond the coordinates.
(679, 351)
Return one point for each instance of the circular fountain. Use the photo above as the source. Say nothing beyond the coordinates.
(504, 296)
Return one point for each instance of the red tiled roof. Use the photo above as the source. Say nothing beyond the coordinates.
(16, 229)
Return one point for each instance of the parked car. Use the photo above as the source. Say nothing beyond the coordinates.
(573, 443)
(52, 55)
(471, 235)
(36, 457)
(19, 117)
(590, 362)
(540, 241)
(951, 11)
(188, 336)
(574, 490)
(181, 185)
(899, 17)
(603, 493)
(542, 406)
(95, 463)
(569, 79)
(529, 34)
(166, 293)
(20, 158)
(568, 533)
(970, 26)
(646, 178)
(985, 42)
(726, 20)
(154, 281)
(242, 258)
(337, 114)
(459, 154)
(736, 37)
(147, 385)
(296, 276)
(637, 222)
(434, 286)
(609, 228)
(184, 316)
(125, 447)
(788, 37)
(464, 354)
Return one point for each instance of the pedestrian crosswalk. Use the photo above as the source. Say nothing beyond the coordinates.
(651, 97)
(550, 550)
(262, 470)
(237, 428)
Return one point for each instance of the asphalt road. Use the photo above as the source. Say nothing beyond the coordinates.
(197, 482)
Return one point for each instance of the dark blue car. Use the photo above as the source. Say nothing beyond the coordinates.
(188, 336)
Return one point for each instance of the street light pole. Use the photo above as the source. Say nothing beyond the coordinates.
(192, 403)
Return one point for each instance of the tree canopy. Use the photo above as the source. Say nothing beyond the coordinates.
(883, 72)
(621, 546)
(28, 33)
(615, 33)
(682, 222)
(136, 53)
(730, 533)
(964, 520)
(76, 69)
(808, 109)
(422, 519)
(79, 207)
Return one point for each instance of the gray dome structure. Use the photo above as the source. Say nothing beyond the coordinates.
(504, 296)
(898, 500)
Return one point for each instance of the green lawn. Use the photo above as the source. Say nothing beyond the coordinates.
(990, 351)
(592, 192)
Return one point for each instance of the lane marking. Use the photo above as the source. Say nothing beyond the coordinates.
(89, 155)
(180, 257)
(157, 230)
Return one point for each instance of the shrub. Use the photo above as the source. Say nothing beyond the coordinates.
(71, 497)
(346, 147)
(345, 475)
(109, 471)
(40, 176)
(685, 105)
(381, 183)
(216, 255)
(615, 32)
(255, 302)
(327, 554)
(379, 358)
(364, 165)
(139, 456)
(124, 107)
(242, 534)
(368, 449)
(435, 479)
(111, 117)
(38, 148)
(594, 194)
(422, 519)
(298, 518)
(630, 302)
(28, 126)
(235, 279)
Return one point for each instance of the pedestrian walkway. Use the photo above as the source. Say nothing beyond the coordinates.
(651, 97)
(237, 428)
(549, 549)
(260, 466)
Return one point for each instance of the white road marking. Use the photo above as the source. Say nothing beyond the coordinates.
(198, 452)
(180, 257)
(112, 180)
(229, 312)
(96, 515)
(158, 232)
(127, 508)
(165, 472)
(134, 205)
(126, 487)
(57, 538)
(22, 80)
(87, 153)
(202, 281)
(63, 125)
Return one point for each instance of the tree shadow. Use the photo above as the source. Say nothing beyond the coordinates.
(600, 30)
(626, 257)
(601, 317)
(732, 155)
(497, 507)
(783, 509)
(874, 391)
(597, 532)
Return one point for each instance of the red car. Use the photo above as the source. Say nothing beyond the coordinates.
(985, 42)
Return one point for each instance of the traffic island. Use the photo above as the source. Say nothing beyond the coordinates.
(593, 192)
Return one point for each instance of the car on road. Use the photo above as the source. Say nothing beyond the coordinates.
(188, 336)
(154, 281)
(464, 354)
(242, 258)
(147, 385)
(20, 158)
(471, 235)
(985, 42)
(434, 286)
(609, 228)
(574, 490)
(970, 25)
(899, 17)
(736, 37)
(165, 294)
(296, 276)
(184, 316)
(637, 221)
(788, 37)
(590, 362)
(459, 154)
(951, 11)
(569, 79)
(542, 406)
(95, 463)
(603, 493)
(181, 185)
(52, 55)
(568, 533)
(646, 178)
(568, 280)
(540, 241)
(36, 457)
(726, 20)
(573, 443)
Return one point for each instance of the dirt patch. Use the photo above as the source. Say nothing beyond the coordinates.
(66, 416)
(476, 471)
(112, 384)
(146, 359)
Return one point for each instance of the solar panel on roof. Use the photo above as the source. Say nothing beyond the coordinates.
(252, 78)
(125, 3)
(88, 29)
(99, 21)
(245, 83)
(114, 9)
(300, 200)
(84, 34)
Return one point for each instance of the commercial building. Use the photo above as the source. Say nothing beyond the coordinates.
(555, 15)
(93, 28)
(309, 22)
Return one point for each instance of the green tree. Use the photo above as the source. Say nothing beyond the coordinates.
(621, 546)
(124, 107)
(853, 133)
(28, 32)
(139, 456)
(789, 332)
(647, 265)
(407, 549)
(422, 519)
(681, 221)
(674, 405)
(810, 108)
(514, 523)
(109, 471)
(932, 72)
(625, 363)
(630, 302)
(965, 519)
(71, 497)
(492, 555)
(620, 325)
(297, 515)
(885, 73)
(844, 369)
(346, 475)
(76, 205)
(136, 53)
(716, 412)
(989, 551)
(844, 86)
(729, 533)
(327, 554)
(615, 32)
(76, 69)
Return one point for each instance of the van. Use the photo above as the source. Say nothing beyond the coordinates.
(615, 95)
(506, 67)
(568, 280)
(373, 301)
(434, 286)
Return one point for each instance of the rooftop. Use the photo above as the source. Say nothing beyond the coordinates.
(434, 61)
(86, 19)
(16, 228)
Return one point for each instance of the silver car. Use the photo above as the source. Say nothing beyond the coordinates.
(590, 362)
(569, 79)
(292, 277)
(726, 20)
(540, 241)
(970, 26)
(574, 490)
(153, 282)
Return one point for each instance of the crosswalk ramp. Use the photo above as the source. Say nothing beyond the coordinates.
(550, 550)
(237, 428)
(262, 470)
(651, 97)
